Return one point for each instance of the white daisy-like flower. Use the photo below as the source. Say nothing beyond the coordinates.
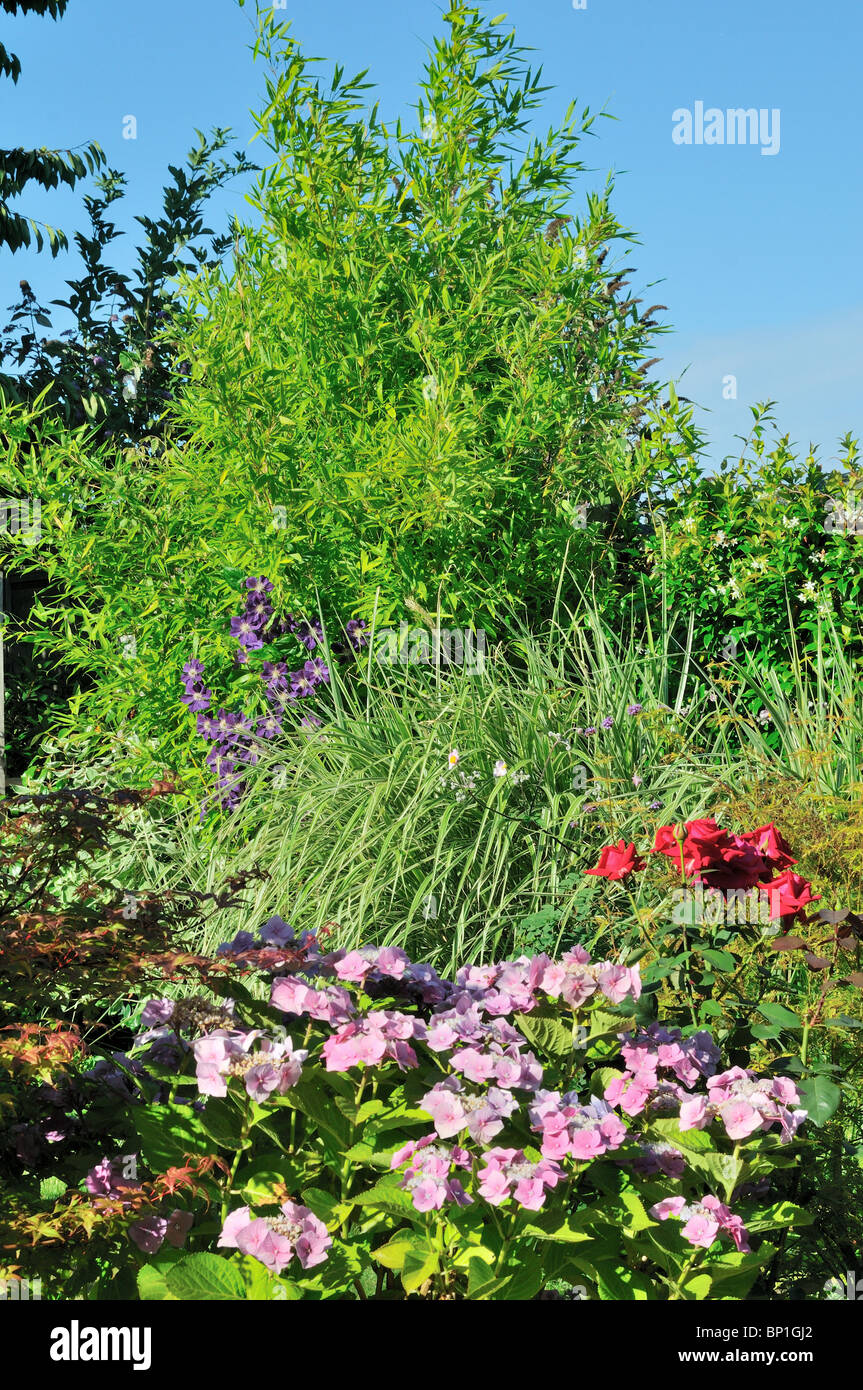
(454, 758)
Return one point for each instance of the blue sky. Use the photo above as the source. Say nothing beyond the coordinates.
(758, 255)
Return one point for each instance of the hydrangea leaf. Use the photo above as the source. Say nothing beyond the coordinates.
(819, 1098)
(325, 1205)
(781, 1214)
(524, 1282)
(167, 1135)
(480, 1277)
(623, 1285)
(387, 1197)
(153, 1286)
(420, 1263)
(548, 1034)
(205, 1277)
(324, 1115)
(222, 1122)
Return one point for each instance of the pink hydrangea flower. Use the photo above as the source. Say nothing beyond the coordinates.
(428, 1175)
(353, 967)
(630, 1093)
(292, 996)
(567, 1127)
(507, 1172)
(703, 1221)
(273, 1067)
(509, 1067)
(392, 962)
(276, 1240)
(453, 1110)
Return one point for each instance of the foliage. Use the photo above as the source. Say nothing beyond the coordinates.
(75, 952)
(113, 372)
(763, 556)
(420, 367)
(48, 168)
(425, 288)
(118, 367)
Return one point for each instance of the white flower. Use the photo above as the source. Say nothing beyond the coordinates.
(454, 758)
(809, 591)
(636, 780)
(499, 769)
(764, 717)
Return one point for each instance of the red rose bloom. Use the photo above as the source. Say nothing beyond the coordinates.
(794, 894)
(666, 843)
(768, 842)
(617, 861)
(713, 856)
(737, 865)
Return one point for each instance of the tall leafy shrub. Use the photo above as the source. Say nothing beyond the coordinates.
(414, 390)
(422, 368)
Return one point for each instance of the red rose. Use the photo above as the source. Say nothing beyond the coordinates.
(739, 865)
(616, 861)
(706, 832)
(702, 844)
(768, 842)
(666, 843)
(794, 894)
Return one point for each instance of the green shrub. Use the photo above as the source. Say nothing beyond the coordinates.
(419, 359)
(764, 555)
(421, 387)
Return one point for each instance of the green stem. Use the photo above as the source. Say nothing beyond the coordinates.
(241, 1148)
(690, 1264)
(804, 1046)
(345, 1173)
